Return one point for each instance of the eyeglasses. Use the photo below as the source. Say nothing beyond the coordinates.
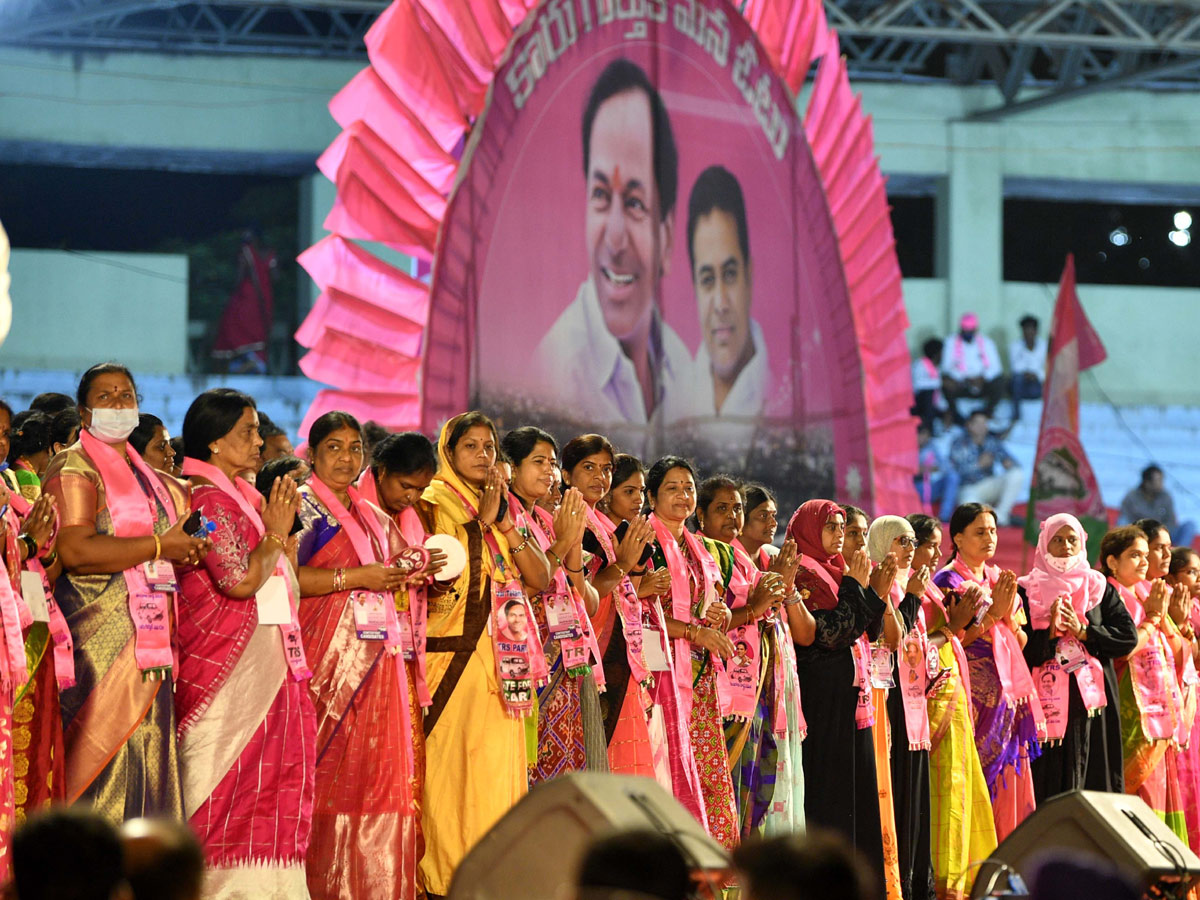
(905, 541)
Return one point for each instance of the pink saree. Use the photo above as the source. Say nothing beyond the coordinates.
(246, 726)
(366, 833)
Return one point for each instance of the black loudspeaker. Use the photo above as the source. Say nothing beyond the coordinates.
(534, 851)
(1119, 828)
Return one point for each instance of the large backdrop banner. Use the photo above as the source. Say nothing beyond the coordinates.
(640, 245)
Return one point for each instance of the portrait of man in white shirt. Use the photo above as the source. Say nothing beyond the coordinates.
(610, 358)
(731, 361)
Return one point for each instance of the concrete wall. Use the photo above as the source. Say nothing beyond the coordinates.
(225, 113)
(72, 310)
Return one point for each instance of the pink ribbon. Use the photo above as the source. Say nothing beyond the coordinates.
(249, 501)
(1153, 680)
(684, 607)
(864, 712)
(585, 647)
(625, 598)
(133, 515)
(744, 669)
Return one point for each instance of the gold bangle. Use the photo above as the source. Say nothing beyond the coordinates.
(157, 548)
(620, 568)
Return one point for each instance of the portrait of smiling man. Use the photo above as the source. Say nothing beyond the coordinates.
(731, 361)
(610, 358)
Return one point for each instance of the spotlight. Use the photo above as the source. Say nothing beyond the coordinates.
(1181, 237)
(1183, 220)
(1119, 237)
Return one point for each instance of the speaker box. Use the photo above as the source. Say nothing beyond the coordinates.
(1120, 828)
(534, 851)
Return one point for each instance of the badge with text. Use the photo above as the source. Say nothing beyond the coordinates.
(370, 614)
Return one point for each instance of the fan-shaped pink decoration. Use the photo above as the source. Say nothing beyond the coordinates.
(406, 115)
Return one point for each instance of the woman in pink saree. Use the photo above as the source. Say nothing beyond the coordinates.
(246, 723)
(366, 840)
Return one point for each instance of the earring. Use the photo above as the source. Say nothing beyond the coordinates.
(214, 449)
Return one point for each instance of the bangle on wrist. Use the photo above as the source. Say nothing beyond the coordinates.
(620, 568)
(521, 546)
(157, 548)
(31, 546)
(339, 579)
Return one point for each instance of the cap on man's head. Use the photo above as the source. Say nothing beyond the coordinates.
(969, 321)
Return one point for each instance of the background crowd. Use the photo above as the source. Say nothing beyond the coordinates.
(341, 668)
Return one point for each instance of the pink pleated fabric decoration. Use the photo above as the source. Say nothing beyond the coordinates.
(843, 148)
(366, 98)
(395, 411)
(351, 315)
(338, 263)
(794, 33)
(359, 365)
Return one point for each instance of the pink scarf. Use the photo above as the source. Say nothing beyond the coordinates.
(689, 607)
(133, 515)
(935, 596)
(1153, 678)
(1085, 586)
(14, 616)
(1016, 681)
(744, 668)
(580, 654)
(413, 531)
(520, 662)
(913, 659)
(60, 634)
(625, 598)
(372, 548)
(249, 501)
(959, 353)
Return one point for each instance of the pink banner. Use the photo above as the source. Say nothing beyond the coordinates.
(640, 212)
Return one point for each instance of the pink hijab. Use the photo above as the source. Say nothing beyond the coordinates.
(1083, 584)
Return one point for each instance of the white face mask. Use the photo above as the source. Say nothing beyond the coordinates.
(1064, 564)
(113, 425)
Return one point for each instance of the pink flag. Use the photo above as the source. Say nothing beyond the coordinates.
(1063, 480)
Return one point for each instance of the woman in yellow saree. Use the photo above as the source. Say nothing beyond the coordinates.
(475, 731)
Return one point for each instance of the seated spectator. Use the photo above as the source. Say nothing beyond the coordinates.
(1027, 364)
(68, 853)
(1150, 500)
(929, 403)
(163, 860)
(275, 440)
(971, 367)
(52, 403)
(987, 472)
(818, 865)
(937, 481)
(637, 862)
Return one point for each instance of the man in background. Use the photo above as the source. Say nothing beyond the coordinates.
(1151, 500)
(971, 367)
(987, 472)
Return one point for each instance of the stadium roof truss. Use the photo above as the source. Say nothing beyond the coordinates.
(1033, 51)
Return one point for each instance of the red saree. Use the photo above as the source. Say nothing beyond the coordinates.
(246, 726)
(366, 833)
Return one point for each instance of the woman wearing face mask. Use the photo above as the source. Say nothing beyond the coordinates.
(482, 682)
(121, 527)
(962, 829)
(764, 722)
(1151, 700)
(906, 715)
(839, 755)
(570, 731)
(1077, 627)
(247, 727)
(1008, 718)
(696, 620)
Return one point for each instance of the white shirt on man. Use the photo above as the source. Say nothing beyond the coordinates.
(587, 376)
(970, 359)
(748, 393)
(1022, 359)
